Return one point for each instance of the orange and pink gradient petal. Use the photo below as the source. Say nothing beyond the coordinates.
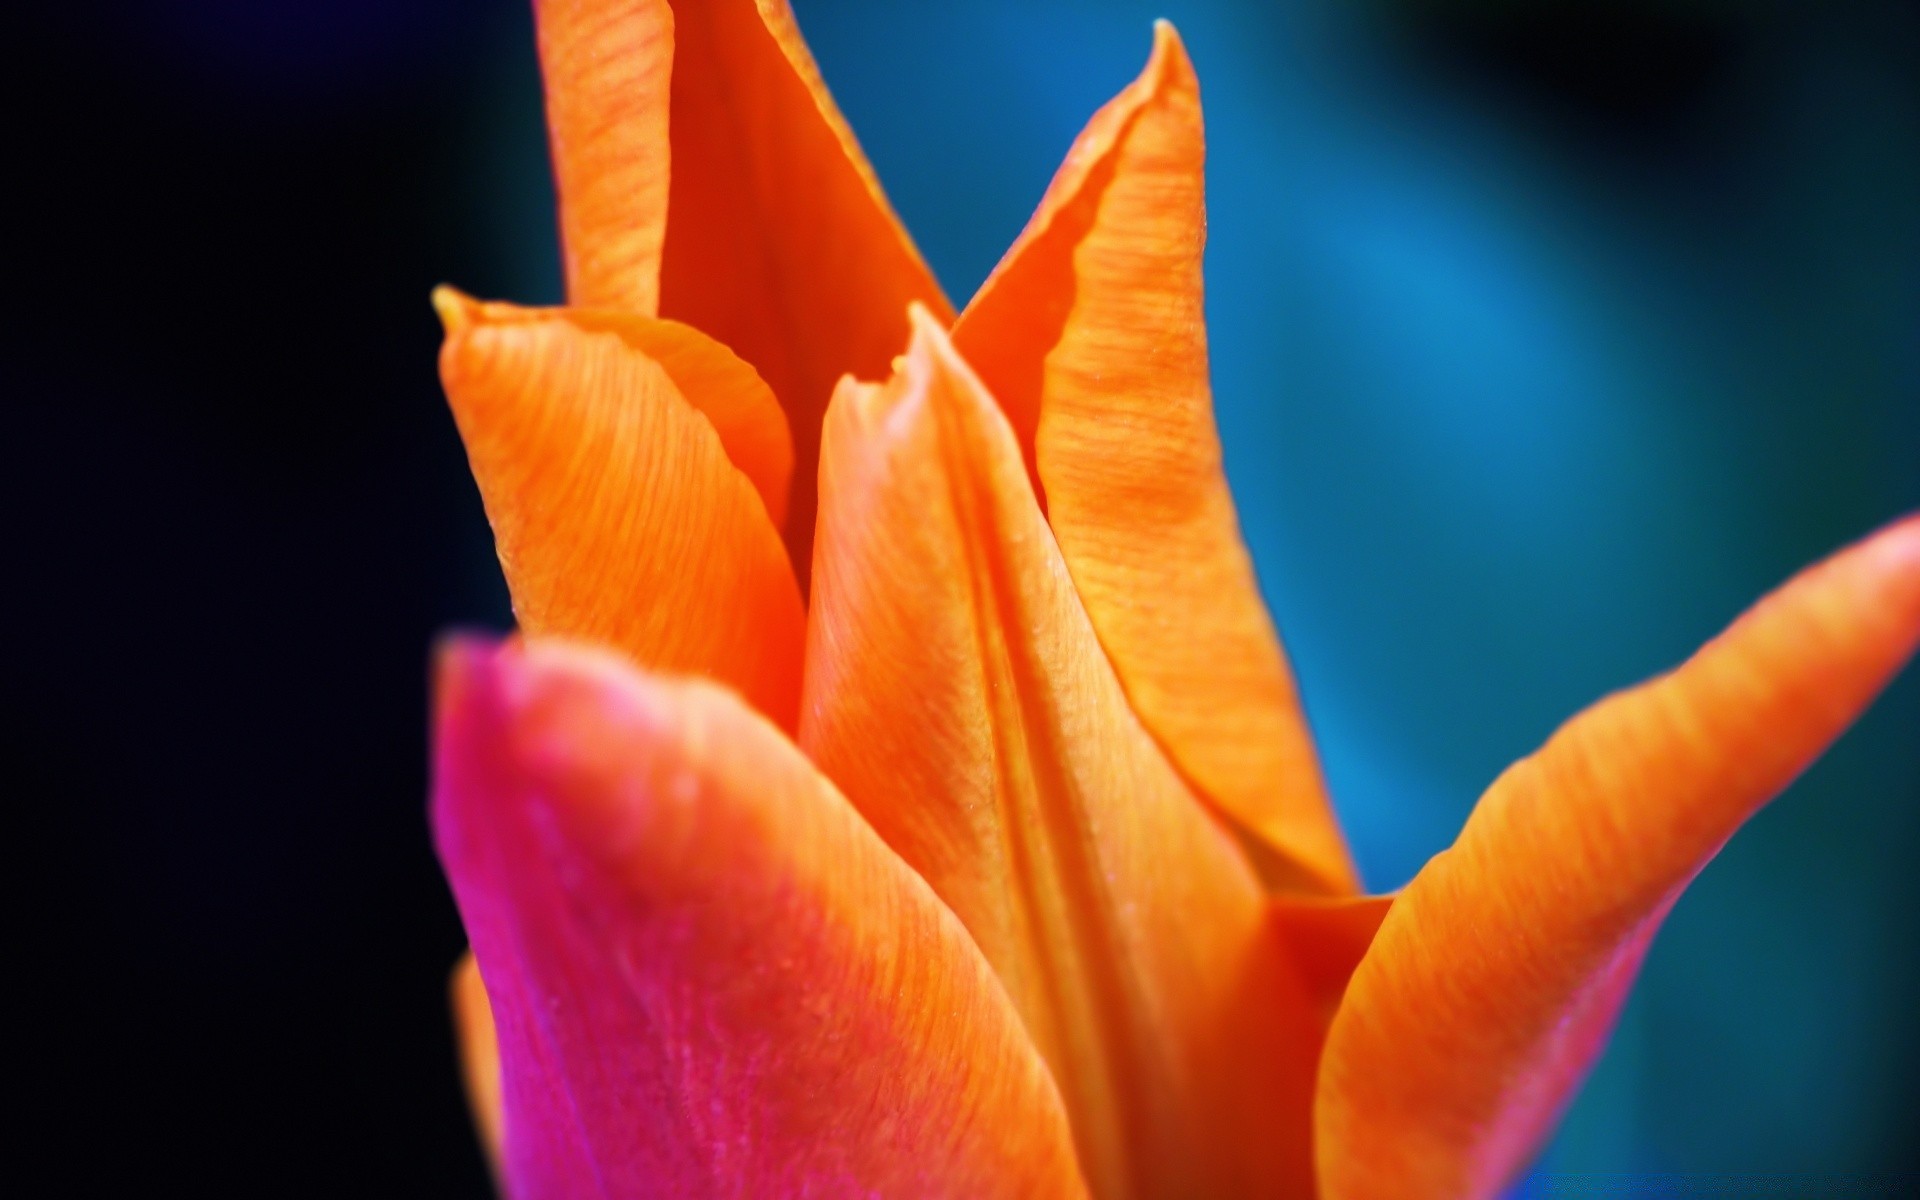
(707, 975)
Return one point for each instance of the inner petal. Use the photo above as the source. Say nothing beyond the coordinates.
(958, 695)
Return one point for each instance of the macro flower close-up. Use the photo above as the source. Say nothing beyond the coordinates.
(1075, 599)
(898, 787)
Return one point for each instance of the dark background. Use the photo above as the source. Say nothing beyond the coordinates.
(1547, 336)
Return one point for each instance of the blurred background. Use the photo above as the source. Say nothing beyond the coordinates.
(1547, 336)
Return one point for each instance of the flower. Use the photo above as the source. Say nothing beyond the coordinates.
(900, 790)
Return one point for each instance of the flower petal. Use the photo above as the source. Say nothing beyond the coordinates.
(1328, 936)
(709, 977)
(607, 67)
(616, 512)
(729, 393)
(479, 1056)
(781, 243)
(957, 694)
(1091, 336)
(1495, 979)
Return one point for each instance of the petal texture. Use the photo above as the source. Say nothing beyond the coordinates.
(781, 243)
(616, 511)
(607, 66)
(726, 391)
(1091, 335)
(1496, 977)
(957, 694)
(709, 977)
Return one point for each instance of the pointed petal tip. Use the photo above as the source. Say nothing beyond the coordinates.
(933, 339)
(457, 310)
(462, 313)
(1169, 62)
(1887, 562)
(1898, 543)
(1876, 580)
(931, 344)
(922, 322)
(929, 353)
(1892, 557)
(1166, 39)
(924, 335)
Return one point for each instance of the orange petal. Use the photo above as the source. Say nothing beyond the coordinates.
(1496, 977)
(1327, 937)
(781, 243)
(1091, 336)
(957, 694)
(479, 1056)
(709, 977)
(715, 381)
(607, 66)
(617, 514)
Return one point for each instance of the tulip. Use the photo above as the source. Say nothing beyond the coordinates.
(899, 789)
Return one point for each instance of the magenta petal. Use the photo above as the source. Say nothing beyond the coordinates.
(708, 976)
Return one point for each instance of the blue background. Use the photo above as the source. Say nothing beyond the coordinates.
(1546, 337)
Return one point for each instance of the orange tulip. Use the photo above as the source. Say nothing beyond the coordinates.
(901, 790)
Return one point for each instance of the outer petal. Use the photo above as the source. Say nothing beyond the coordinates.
(1090, 333)
(715, 381)
(607, 65)
(479, 1055)
(1496, 977)
(781, 243)
(709, 977)
(957, 693)
(616, 512)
